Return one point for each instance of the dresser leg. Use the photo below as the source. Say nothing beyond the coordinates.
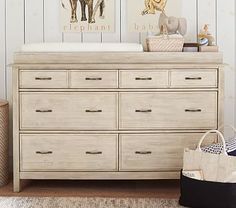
(16, 185)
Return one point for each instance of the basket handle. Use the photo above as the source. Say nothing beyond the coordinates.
(221, 137)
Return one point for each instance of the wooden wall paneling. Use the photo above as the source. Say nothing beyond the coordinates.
(127, 36)
(226, 41)
(52, 26)
(207, 15)
(14, 33)
(92, 37)
(2, 50)
(189, 11)
(34, 31)
(114, 36)
(72, 37)
(14, 40)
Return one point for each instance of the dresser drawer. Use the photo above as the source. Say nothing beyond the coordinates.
(157, 152)
(68, 152)
(162, 110)
(43, 79)
(94, 79)
(194, 78)
(143, 79)
(68, 111)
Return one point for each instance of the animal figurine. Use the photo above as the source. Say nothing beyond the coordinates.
(203, 42)
(205, 34)
(174, 25)
(151, 6)
(100, 4)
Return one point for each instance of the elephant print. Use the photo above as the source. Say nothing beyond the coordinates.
(92, 10)
(73, 4)
(151, 6)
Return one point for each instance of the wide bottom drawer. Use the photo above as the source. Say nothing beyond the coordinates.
(157, 152)
(68, 152)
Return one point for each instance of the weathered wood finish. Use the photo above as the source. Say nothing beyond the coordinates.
(112, 112)
(68, 111)
(118, 57)
(142, 152)
(194, 79)
(43, 79)
(149, 110)
(144, 79)
(69, 152)
(93, 79)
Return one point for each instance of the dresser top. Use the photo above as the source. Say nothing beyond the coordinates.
(119, 58)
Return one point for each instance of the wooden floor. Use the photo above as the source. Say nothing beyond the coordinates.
(151, 189)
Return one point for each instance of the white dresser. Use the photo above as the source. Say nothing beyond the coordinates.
(111, 115)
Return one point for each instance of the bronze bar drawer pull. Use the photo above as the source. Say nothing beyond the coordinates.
(94, 153)
(193, 78)
(93, 111)
(93, 79)
(43, 111)
(143, 78)
(143, 152)
(143, 111)
(43, 78)
(44, 152)
(193, 110)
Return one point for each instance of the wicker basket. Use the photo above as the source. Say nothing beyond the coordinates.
(4, 172)
(165, 43)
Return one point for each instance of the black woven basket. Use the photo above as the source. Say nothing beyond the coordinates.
(204, 194)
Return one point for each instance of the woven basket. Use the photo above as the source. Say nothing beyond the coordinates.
(4, 168)
(165, 43)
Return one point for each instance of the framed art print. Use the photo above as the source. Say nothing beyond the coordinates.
(143, 15)
(88, 15)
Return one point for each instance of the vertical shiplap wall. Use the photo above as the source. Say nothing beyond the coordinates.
(2, 49)
(28, 21)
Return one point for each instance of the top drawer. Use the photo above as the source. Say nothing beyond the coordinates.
(94, 79)
(191, 78)
(43, 79)
(143, 79)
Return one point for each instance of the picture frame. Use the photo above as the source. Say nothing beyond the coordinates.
(191, 47)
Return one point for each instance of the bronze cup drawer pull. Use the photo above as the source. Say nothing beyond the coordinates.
(143, 111)
(193, 78)
(143, 78)
(43, 78)
(193, 110)
(44, 152)
(93, 111)
(93, 153)
(143, 152)
(93, 78)
(43, 111)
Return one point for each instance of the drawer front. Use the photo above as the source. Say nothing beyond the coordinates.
(194, 78)
(43, 79)
(157, 152)
(189, 110)
(144, 79)
(68, 152)
(68, 111)
(94, 79)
